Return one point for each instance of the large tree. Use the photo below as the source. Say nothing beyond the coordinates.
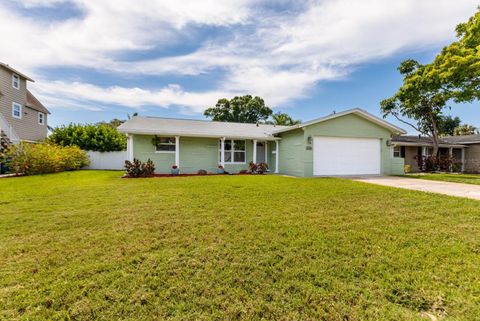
(420, 99)
(240, 109)
(282, 119)
(457, 67)
(447, 125)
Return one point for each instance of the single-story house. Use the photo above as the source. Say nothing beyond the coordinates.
(465, 150)
(353, 142)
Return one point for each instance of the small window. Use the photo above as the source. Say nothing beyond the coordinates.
(165, 145)
(16, 110)
(397, 151)
(41, 118)
(15, 81)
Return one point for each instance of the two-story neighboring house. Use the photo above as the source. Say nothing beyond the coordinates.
(22, 116)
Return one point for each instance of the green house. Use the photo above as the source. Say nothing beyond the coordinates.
(353, 142)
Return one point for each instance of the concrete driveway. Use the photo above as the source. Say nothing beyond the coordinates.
(447, 188)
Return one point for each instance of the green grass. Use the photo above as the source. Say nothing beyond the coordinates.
(91, 246)
(454, 178)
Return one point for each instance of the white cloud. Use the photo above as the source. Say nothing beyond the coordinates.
(59, 94)
(279, 55)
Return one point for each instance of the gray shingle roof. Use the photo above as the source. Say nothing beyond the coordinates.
(463, 139)
(196, 128)
(425, 141)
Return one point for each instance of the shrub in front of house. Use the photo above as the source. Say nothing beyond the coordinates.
(42, 158)
(138, 169)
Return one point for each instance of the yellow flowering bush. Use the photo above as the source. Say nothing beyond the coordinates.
(30, 159)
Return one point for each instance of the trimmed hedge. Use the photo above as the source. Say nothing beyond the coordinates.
(30, 159)
(98, 137)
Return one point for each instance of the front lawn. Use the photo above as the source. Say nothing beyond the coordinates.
(454, 178)
(91, 246)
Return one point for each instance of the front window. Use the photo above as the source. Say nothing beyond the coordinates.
(234, 151)
(16, 110)
(15, 81)
(165, 144)
(41, 118)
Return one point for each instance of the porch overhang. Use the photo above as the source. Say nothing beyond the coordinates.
(186, 134)
(428, 145)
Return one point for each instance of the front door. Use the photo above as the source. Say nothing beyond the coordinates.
(260, 152)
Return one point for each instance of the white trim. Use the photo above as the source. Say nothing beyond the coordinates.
(357, 111)
(276, 155)
(164, 152)
(14, 104)
(41, 120)
(177, 151)
(265, 144)
(186, 134)
(254, 158)
(130, 147)
(222, 152)
(18, 81)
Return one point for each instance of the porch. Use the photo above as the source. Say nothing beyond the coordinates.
(191, 154)
(410, 153)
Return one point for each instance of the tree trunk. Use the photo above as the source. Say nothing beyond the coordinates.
(435, 137)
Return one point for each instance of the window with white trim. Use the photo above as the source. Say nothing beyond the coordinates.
(234, 150)
(41, 118)
(165, 145)
(15, 81)
(397, 151)
(16, 110)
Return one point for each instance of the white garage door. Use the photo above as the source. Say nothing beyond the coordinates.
(346, 156)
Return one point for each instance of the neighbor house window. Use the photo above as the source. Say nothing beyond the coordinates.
(16, 110)
(234, 151)
(15, 81)
(165, 144)
(41, 118)
(399, 151)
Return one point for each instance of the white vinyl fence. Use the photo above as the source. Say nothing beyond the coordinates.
(107, 160)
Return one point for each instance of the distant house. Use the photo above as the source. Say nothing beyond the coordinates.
(22, 116)
(465, 150)
(352, 142)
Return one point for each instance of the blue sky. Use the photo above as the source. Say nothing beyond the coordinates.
(95, 60)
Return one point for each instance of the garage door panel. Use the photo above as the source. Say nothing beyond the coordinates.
(346, 156)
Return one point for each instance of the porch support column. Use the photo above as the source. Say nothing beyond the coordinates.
(254, 151)
(130, 147)
(177, 151)
(276, 156)
(450, 153)
(222, 151)
(463, 160)
(266, 151)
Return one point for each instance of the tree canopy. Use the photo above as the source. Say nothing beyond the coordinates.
(426, 89)
(240, 109)
(282, 119)
(457, 67)
(447, 125)
(465, 129)
(418, 98)
(98, 137)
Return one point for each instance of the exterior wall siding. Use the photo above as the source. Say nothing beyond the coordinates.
(410, 153)
(27, 127)
(291, 159)
(297, 158)
(472, 158)
(195, 154)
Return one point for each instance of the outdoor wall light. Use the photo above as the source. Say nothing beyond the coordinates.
(309, 140)
(388, 142)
